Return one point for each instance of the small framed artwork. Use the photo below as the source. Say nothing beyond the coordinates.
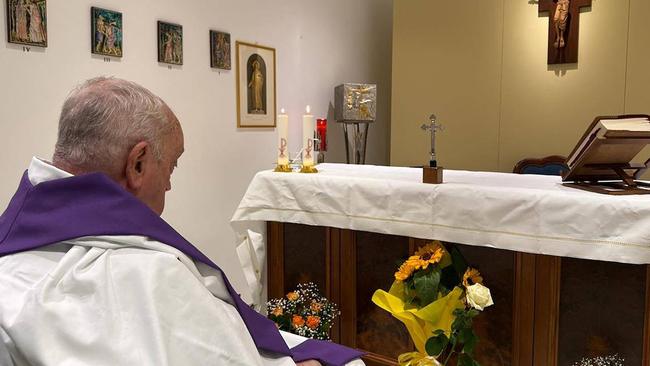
(255, 85)
(170, 43)
(107, 32)
(220, 50)
(27, 22)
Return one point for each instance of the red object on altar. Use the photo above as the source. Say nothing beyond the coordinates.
(321, 134)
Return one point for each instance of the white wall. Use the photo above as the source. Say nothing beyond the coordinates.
(319, 45)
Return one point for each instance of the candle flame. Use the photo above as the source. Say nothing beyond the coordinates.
(308, 109)
(282, 111)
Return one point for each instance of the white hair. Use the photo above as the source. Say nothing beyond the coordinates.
(103, 118)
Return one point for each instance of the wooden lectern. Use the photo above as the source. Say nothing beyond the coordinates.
(602, 161)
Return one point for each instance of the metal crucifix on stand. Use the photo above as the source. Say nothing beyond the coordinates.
(432, 173)
(563, 26)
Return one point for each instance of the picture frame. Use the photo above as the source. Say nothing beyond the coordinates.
(170, 43)
(256, 85)
(27, 22)
(106, 36)
(220, 50)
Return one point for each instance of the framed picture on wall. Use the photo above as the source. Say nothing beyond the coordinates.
(255, 85)
(220, 50)
(27, 22)
(106, 32)
(170, 43)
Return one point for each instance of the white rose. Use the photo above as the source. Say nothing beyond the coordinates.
(478, 296)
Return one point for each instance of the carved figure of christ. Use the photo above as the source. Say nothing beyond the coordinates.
(564, 23)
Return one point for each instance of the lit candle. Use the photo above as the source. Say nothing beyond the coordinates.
(308, 138)
(283, 133)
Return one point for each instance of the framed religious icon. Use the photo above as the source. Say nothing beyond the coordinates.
(106, 34)
(170, 43)
(255, 85)
(220, 50)
(27, 22)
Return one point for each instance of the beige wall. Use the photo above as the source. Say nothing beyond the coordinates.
(481, 67)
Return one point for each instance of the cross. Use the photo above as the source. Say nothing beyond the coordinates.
(433, 127)
(563, 26)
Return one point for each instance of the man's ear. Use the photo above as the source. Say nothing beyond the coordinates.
(135, 165)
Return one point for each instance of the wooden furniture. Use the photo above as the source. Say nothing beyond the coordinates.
(549, 165)
(602, 160)
(347, 227)
(549, 311)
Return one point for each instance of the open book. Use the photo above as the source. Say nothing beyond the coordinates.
(606, 150)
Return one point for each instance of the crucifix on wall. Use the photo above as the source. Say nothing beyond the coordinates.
(564, 22)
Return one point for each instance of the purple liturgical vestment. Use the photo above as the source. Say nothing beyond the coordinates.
(94, 205)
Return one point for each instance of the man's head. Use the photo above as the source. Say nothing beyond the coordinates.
(121, 129)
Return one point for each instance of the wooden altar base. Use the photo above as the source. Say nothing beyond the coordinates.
(549, 311)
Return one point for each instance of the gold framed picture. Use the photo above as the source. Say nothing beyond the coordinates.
(256, 100)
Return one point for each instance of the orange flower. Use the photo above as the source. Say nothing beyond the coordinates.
(293, 296)
(429, 254)
(313, 321)
(404, 271)
(315, 306)
(471, 277)
(277, 311)
(297, 321)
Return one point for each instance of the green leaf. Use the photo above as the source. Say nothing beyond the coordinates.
(465, 360)
(449, 278)
(458, 261)
(426, 285)
(469, 340)
(435, 345)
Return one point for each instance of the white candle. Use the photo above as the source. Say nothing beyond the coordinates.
(283, 133)
(308, 129)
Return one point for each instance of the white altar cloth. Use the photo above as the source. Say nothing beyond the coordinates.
(526, 213)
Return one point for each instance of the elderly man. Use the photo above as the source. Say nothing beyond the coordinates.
(91, 275)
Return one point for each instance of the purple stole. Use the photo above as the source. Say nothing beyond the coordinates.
(94, 205)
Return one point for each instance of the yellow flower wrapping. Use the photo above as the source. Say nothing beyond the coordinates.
(420, 323)
(416, 359)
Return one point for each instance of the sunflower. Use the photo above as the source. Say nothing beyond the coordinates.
(472, 276)
(404, 271)
(429, 254)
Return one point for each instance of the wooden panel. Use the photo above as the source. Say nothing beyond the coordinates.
(547, 302)
(275, 261)
(646, 328)
(494, 326)
(304, 256)
(602, 311)
(377, 258)
(348, 289)
(523, 315)
(333, 291)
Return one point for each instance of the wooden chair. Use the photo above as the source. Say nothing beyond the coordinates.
(550, 165)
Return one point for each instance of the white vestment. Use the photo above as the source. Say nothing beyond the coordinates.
(119, 300)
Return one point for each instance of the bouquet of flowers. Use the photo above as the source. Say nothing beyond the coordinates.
(304, 312)
(612, 360)
(436, 295)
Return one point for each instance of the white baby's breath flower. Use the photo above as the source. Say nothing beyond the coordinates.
(478, 296)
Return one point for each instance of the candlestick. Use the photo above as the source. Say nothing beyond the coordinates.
(283, 148)
(308, 128)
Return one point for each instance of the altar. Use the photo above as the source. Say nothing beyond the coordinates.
(568, 268)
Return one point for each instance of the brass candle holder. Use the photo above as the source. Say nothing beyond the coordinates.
(282, 168)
